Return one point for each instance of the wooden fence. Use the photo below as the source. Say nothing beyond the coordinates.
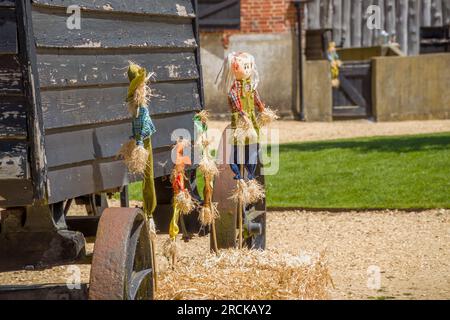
(404, 18)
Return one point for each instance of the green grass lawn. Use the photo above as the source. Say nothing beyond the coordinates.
(383, 172)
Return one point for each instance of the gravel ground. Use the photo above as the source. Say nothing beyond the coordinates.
(296, 131)
(411, 250)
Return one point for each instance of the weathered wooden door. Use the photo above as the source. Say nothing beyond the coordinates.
(353, 99)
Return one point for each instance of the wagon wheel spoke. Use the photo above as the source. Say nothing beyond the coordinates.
(139, 280)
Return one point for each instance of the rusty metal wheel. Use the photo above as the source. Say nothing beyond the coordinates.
(122, 262)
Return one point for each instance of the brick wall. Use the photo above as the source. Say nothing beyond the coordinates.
(267, 16)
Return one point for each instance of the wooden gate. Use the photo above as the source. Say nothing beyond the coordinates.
(353, 99)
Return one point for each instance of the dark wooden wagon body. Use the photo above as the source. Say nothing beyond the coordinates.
(62, 112)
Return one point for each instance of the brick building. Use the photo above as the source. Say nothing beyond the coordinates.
(265, 28)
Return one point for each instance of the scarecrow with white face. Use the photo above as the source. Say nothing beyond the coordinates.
(240, 80)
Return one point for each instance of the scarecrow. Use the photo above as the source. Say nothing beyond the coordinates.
(208, 167)
(335, 63)
(137, 152)
(182, 203)
(239, 80)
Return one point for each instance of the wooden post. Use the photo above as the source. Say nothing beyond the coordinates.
(446, 12)
(377, 33)
(326, 14)
(214, 237)
(402, 24)
(436, 13)
(390, 17)
(240, 211)
(426, 13)
(356, 23)
(346, 23)
(337, 21)
(367, 33)
(414, 27)
(314, 14)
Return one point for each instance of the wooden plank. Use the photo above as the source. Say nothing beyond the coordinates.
(414, 27)
(353, 94)
(367, 34)
(446, 12)
(313, 14)
(8, 31)
(13, 160)
(436, 13)
(71, 70)
(99, 176)
(326, 14)
(390, 17)
(63, 148)
(182, 8)
(337, 21)
(63, 108)
(377, 33)
(15, 192)
(346, 23)
(356, 23)
(426, 13)
(50, 31)
(13, 118)
(402, 24)
(10, 74)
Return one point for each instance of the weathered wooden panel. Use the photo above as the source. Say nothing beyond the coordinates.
(51, 31)
(414, 27)
(13, 160)
(10, 74)
(356, 23)
(104, 142)
(326, 14)
(436, 13)
(402, 24)
(79, 70)
(346, 23)
(13, 118)
(219, 14)
(182, 8)
(313, 14)
(96, 105)
(446, 12)
(401, 19)
(367, 34)
(15, 192)
(337, 21)
(100, 176)
(8, 31)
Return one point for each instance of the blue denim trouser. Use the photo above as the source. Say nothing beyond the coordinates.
(249, 159)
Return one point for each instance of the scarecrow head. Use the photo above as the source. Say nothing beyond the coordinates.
(332, 46)
(181, 160)
(238, 66)
(138, 91)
